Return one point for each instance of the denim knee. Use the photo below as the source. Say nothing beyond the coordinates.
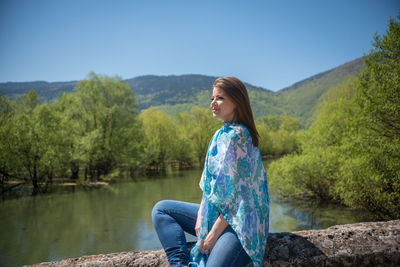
(158, 209)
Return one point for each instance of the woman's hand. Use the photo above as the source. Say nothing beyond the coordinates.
(207, 244)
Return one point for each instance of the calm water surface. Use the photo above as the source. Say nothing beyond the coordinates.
(118, 218)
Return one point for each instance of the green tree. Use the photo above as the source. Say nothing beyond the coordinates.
(278, 134)
(271, 122)
(380, 83)
(288, 123)
(183, 151)
(7, 141)
(37, 142)
(265, 143)
(375, 171)
(68, 110)
(108, 113)
(159, 139)
(199, 126)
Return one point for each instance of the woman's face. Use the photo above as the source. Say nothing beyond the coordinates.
(222, 106)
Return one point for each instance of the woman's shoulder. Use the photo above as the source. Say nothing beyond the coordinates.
(237, 130)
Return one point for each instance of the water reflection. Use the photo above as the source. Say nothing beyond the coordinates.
(311, 214)
(118, 218)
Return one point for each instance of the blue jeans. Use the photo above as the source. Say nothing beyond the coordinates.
(171, 218)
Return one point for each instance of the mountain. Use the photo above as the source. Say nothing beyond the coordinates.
(178, 93)
(170, 90)
(175, 94)
(301, 99)
(47, 91)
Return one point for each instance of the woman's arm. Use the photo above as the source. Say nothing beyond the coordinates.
(218, 228)
(198, 221)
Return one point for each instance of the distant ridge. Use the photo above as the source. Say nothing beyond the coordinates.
(178, 93)
(352, 67)
(47, 91)
(152, 90)
(302, 98)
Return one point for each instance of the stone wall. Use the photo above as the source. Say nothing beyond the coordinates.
(360, 244)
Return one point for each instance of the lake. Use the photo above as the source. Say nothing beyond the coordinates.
(117, 218)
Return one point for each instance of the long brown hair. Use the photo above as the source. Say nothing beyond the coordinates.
(237, 92)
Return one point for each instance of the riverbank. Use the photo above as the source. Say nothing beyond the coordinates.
(16, 186)
(359, 244)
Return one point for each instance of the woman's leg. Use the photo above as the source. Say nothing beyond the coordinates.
(228, 251)
(170, 219)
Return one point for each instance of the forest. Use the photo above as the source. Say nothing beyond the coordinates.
(349, 154)
(97, 131)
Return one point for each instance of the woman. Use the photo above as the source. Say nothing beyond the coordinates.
(232, 221)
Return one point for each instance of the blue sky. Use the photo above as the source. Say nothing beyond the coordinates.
(272, 44)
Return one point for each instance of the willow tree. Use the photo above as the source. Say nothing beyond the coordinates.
(159, 139)
(68, 109)
(278, 134)
(37, 145)
(7, 130)
(199, 126)
(107, 112)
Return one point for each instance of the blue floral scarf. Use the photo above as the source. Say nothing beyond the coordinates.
(234, 184)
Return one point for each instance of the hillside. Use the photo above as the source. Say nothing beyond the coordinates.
(175, 94)
(178, 93)
(170, 90)
(47, 91)
(301, 99)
